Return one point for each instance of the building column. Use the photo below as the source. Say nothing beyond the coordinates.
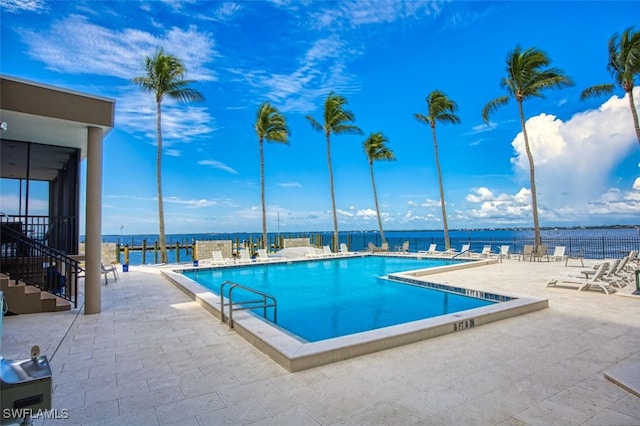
(93, 220)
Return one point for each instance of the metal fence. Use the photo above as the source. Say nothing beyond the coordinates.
(590, 247)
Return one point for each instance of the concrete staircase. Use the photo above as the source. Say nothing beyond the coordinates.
(27, 299)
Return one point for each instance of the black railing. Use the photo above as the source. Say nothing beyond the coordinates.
(59, 232)
(589, 247)
(601, 247)
(34, 263)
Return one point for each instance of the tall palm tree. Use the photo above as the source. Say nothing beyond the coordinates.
(336, 120)
(375, 146)
(527, 76)
(624, 67)
(272, 127)
(164, 76)
(440, 109)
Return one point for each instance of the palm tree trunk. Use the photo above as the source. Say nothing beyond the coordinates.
(532, 177)
(447, 242)
(634, 114)
(163, 242)
(375, 198)
(264, 209)
(333, 197)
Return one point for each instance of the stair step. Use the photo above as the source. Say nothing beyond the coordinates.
(62, 305)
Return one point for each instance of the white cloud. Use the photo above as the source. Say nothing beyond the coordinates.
(344, 213)
(16, 6)
(371, 12)
(500, 208)
(181, 123)
(73, 45)
(194, 204)
(573, 159)
(366, 213)
(290, 185)
(217, 165)
(225, 12)
(300, 89)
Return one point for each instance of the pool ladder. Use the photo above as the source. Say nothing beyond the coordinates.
(266, 301)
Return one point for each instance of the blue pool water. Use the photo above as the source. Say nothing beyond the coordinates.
(322, 299)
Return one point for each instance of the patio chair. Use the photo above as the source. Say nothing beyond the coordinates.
(245, 256)
(504, 252)
(105, 270)
(540, 252)
(263, 256)
(486, 252)
(405, 247)
(526, 253)
(216, 259)
(611, 276)
(464, 251)
(344, 249)
(558, 253)
(313, 253)
(586, 283)
(383, 248)
(432, 250)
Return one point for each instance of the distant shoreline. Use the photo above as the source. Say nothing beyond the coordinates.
(543, 228)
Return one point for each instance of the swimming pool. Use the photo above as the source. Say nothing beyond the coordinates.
(295, 354)
(329, 298)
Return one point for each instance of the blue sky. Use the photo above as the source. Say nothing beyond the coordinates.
(384, 57)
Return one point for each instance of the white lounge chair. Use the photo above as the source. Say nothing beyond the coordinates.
(464, 251)
(216, 259)
(313, 253)
(558, 253)
(432, 251)
(263, 256)
(632, 262)
(344, 250)
(611, 274)
(486, 252)
(504, 252)
(586, 283)
(326, 251)
(405, 247)
(383, 248)
(245, 256)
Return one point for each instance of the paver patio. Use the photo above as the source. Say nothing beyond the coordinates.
(155, 357)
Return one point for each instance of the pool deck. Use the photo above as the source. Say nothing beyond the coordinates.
(156, 357)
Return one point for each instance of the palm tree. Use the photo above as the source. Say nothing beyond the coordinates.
(375, 146)
(164, 77)
(271, 126)
(527, 76)
(624, 67)
(336, 120)
(440, 109)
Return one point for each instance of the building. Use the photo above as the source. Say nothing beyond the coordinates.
(46, 134)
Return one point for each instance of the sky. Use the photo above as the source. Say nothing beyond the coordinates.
(384, 57)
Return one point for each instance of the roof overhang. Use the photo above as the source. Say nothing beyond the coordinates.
(49, 115)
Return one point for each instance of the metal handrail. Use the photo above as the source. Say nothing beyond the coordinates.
(37, 264)
(246, 304)
(460, 254)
